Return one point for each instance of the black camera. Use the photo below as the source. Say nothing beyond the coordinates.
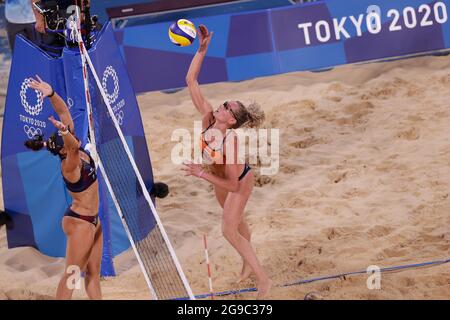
(51, 12)
(59, 17)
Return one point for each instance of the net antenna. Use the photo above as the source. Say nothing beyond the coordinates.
(176, 285)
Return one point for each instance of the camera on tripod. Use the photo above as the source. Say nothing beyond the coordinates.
(59, 17)
(51, 12)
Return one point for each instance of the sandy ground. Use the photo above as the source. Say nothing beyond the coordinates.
(364, 179)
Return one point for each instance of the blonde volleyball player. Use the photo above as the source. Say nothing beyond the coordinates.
(80, 223)
(233, 182)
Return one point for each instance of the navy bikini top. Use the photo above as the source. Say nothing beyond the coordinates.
(88, 176)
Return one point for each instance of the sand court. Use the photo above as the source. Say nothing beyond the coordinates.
(364, 179)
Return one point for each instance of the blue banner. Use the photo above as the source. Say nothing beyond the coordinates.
(309, 36)
(118, 89)
(33, 189)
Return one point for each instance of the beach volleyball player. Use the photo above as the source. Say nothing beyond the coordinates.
(80, 223)
(233, 182)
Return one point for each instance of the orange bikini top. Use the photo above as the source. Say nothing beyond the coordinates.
(209, 154)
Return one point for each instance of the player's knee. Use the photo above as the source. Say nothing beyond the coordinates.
(93, 270)
(229, 232)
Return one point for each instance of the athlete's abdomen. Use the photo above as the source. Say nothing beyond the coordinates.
(87, 201)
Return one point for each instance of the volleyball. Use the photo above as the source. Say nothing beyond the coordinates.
(182, 33)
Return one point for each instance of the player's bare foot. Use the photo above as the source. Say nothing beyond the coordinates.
(264, 289)
(245, 273)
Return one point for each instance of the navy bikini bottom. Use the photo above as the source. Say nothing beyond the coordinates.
(244, 172)
(91, 219)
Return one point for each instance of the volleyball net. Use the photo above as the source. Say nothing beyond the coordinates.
(149, 240)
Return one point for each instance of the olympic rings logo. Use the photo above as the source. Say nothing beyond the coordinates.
(119, 116)
(110, 72)
(31, 131)
(32, 110)
(70, 102)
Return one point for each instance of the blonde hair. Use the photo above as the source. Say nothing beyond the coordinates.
(251, 116)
